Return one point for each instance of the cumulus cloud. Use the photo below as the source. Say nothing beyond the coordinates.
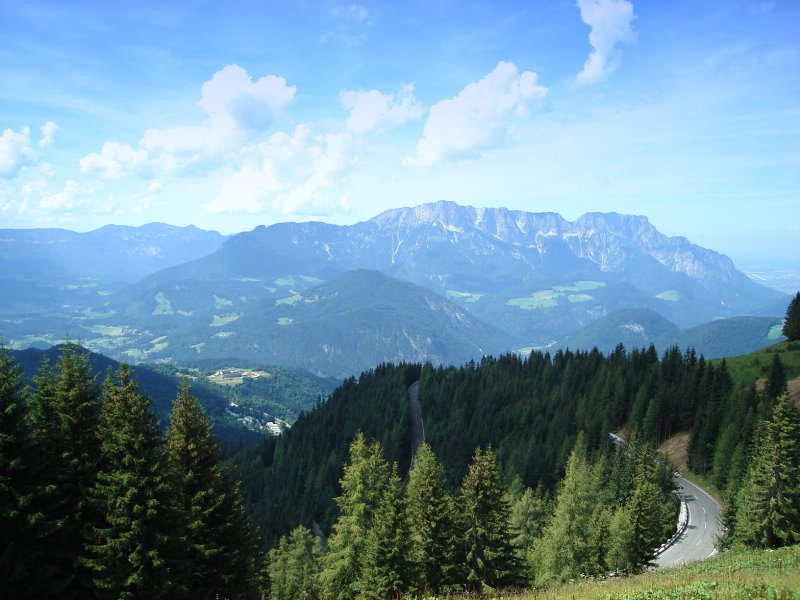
(291, 173)
(478, 117)
(15, 151)
(114, 160)
(373, 111)
(49, 131)
(610, 22)
(237, 110)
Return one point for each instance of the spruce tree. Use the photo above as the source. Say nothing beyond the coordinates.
(431, 516)
(645, 509)
(217, 535)
(385, 570)
(131, 548)
(294, 566)
(63, 420)
(347, 564)
(768, 505)
(16, 555)
(791, 325)
(776, 381)
(491, 559)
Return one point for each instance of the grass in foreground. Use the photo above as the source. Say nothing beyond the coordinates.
(734, 574)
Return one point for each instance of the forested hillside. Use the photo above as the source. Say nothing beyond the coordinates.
(96, 503)
(277, 393)
(518, 484)
(530, 410)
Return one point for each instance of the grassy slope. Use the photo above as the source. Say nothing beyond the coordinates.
(751, 367)
(735, 574)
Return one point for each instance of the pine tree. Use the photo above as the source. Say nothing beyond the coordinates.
(217, 536)
(63, 419)
(131, 548)
(776, 381)
(385, 570)
(346, 566)
(431, 515)
(645, 509)
(16, 555)
(791, 325)
(490, 556)
(768, 505)
(294, 566)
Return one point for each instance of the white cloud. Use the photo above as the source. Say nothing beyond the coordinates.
(610, 22)
(478, 117)
(373, 112)
(49, 131)
(232, 99)
(291, 173)
(15, 151)
(114, 160)
(237, 110)
(74, 195)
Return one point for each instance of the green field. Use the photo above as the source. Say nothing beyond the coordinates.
(549, 298)
(163, 306)
(579, 286)
(669, 296)
(107, 330)
(290, 300)
(748, 368)
(220, 320)
(465, 296)
(221, 302)
(92, 313)
(544, 299)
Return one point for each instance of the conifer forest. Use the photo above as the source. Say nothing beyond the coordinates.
(516, 484)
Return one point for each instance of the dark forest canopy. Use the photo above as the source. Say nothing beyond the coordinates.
(530, 410)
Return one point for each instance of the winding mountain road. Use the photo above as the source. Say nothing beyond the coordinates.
(698, 540)
(417, 427)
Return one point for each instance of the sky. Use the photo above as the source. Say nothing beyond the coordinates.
(228, 115)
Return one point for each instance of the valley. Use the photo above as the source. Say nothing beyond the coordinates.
(439, 282)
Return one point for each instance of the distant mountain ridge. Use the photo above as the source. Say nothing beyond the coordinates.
(113, 252)
(534, 279)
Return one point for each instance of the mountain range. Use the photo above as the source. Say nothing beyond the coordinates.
(439, 282)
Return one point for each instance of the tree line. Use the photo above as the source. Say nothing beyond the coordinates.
(393, 539)
(95, 503)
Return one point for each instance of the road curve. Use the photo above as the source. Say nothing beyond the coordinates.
(417, 427)
(698, 541)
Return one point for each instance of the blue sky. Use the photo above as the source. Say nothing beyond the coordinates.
(229, 115)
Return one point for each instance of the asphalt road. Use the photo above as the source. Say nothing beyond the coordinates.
(698, 541)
